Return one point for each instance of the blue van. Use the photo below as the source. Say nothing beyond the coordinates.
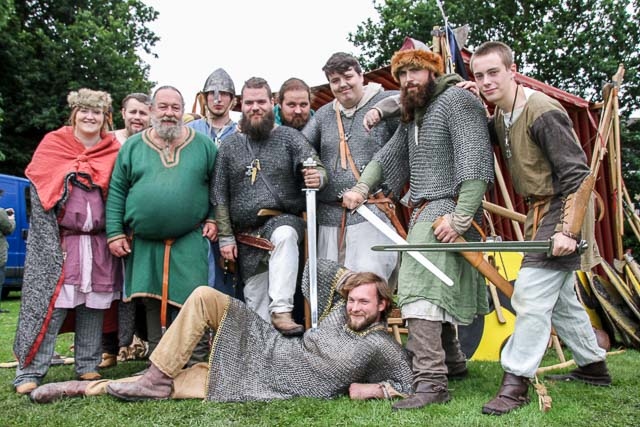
(15, 195)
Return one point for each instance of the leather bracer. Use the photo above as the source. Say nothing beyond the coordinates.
(575, 206)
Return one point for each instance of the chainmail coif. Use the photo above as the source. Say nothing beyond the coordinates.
(252, 361)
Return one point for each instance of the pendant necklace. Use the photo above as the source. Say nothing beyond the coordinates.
(507, 146)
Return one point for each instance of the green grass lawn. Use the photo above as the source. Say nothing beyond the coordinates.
(573, 404)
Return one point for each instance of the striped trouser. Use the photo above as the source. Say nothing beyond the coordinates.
(87, 345)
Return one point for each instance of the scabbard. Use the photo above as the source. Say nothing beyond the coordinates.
(388, 207)
(477, 260)
(254, 241)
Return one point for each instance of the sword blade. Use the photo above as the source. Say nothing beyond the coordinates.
(312, 256)
(395, 237)
(526, 246)
(535, 246)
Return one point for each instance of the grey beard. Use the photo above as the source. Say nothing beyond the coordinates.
(167, 133)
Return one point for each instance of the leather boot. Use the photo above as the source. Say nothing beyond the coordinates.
(108, 360)
(54, 391)
(595, 373)
(284, 323)
(426, 394)
(513, 393)
(153, 385)
(459, 372)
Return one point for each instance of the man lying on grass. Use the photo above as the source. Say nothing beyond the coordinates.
(350, 352)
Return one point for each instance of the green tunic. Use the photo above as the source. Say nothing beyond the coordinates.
(156, 198)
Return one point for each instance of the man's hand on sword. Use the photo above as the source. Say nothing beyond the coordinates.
(444, 232)
(352, 199)
(562, 245)
(312, 178)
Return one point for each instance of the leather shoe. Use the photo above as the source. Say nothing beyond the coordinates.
(426, 394)
(284, 323)
(54, 391)
(153, 385)
(513, 393)
(89, 376)
(26, 388)
(595, 373)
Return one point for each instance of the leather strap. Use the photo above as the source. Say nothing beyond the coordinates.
(254, 241)
(343, 140)
(345, 155)
(388, 207)
(537, 205)
(262, 175)
(165, 284)
(343, 225)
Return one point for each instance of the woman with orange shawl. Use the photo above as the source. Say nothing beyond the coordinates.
(68, 265)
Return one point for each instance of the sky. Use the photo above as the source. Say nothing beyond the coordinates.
(273, 39)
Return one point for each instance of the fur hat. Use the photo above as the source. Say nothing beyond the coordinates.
(414, 52)
(90, 98)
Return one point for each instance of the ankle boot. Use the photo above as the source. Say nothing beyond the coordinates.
(426, 394)
(513, 393)
(595, 373)
(284, 323)
(153, 385)
(53, 391)
(459, 372)
(108, 360)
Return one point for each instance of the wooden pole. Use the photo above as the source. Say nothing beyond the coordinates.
(568, 363)
(507, 199)
(503, 212)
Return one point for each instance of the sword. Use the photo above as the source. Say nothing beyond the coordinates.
(395, 237)
(517, 246)
(312, 256)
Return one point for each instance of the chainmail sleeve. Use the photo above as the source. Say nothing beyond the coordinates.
(330, 276)
(390, 364)
(394, 158)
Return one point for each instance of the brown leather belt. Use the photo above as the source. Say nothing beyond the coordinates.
(165, 283)
(254, 241)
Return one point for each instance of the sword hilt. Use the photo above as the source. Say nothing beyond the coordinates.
(581, 247)
(309, 163)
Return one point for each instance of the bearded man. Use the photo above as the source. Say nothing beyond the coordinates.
(294, 104)
(442, 149)
(258, 198)
(159, 217)
(350, 352)
(135, 113)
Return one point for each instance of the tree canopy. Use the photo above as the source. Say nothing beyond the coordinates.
(575, 45)
(48, 48)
